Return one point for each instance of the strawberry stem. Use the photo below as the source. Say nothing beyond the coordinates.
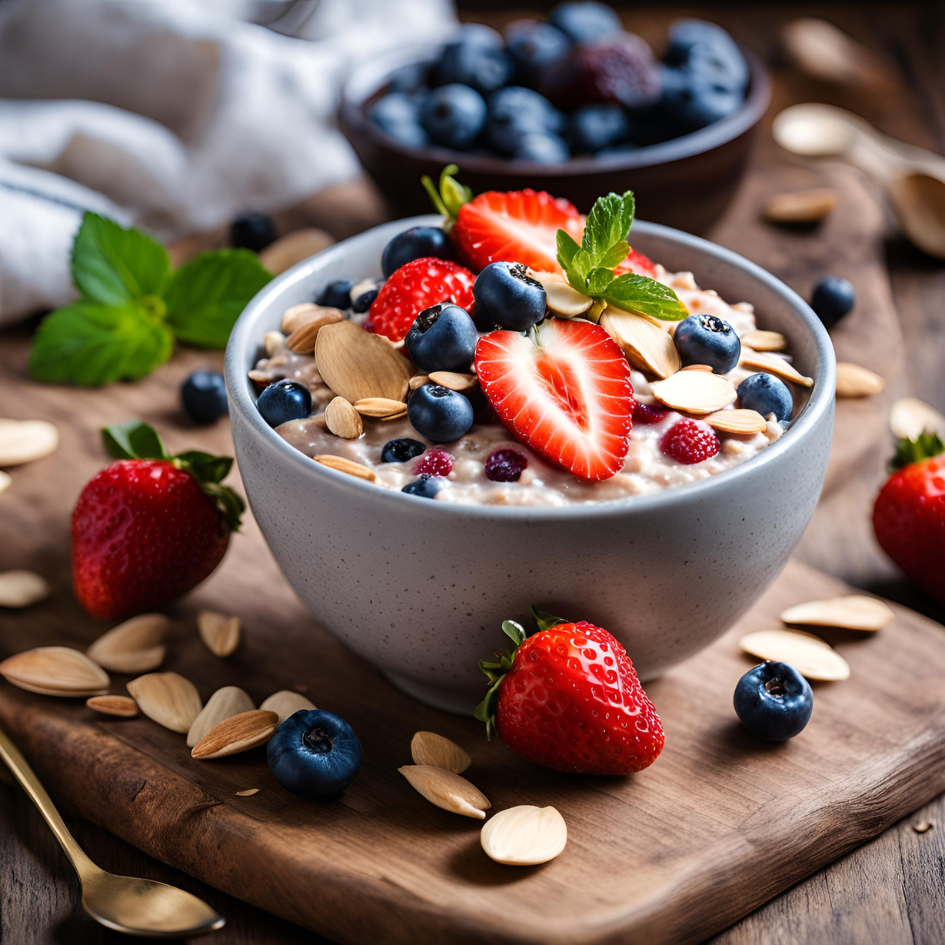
(924, 446)
(451, 195)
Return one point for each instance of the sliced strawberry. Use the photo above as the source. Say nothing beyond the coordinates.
(414, 287)
(569, 397)
(518, 226)
(638, 263)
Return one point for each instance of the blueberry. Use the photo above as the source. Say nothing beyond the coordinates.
(707, 339)
(767, 394)
(690, 101)
(362, 298)
(284, 401)
(415, 243)
(483, 68)
(336, 294)
(541, 148)
(707, 49)
(774, 701)
(401, 450)
(203, 395)
(516, 111)
(585, 22)
(453, 116)
(535, 48)
(598, 126)
(439, 414)
(314, 753)
(426, 487)
(411, 79)
(508, 296)
(442, 338)
(832, 298)
(253, 231)
(398, 116)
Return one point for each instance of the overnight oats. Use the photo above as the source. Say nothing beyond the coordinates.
(555, 366)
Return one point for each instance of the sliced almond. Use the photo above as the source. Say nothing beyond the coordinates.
(428, 748)
(524, 836)
(562, 299)
(856, 381)
(291, 249)
(285, 703)
(303, 339)
(24, 441)
(348, 466)
(801, 206)
(447, 790)
(123, 706)
(168, 699)
(853, 612)
(739, 421)
(239, 733)
(695, 392)
(261, 380)
(343, 420)
(646, 346)
(55, 671)
(381, 408)
(295, 316)
(219, 632)
(698, 367)
(765, 340)
(222, 705)
(134, 646)
(357, 364)
(418, 380)
(22, 588)
(911, 417)
(770, 362)
(249, 792)
(454, 381)
(809, 655)
(273, 342)
(6, 481)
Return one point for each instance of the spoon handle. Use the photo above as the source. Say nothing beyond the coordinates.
(22, 771)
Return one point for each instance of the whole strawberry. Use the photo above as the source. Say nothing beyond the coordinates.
(909, 513)
(568, 698)
(150, 526)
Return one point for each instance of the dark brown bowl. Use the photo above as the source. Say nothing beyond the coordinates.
(686, 182)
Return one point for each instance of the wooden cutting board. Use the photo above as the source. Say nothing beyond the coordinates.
(718, 825)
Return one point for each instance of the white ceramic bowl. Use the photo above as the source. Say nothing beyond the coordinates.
(419, 588)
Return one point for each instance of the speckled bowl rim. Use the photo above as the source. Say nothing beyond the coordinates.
(246, 340)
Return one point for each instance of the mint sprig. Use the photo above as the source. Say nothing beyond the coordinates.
(925, 446)
(132, 305)
(137, 440)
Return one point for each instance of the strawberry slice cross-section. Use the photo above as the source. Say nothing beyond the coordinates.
(565, 392)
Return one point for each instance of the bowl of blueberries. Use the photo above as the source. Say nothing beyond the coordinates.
(573, 104)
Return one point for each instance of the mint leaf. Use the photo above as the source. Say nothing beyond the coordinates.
(207, 295)
(114, 265)
(924, 446)
(91, 344)
(598, 280)
(566, 248)
(645, 296)
(608, 223)
(133, 440)
(615, 255)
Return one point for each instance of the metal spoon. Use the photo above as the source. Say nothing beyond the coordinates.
(123, 903)
(919, 203)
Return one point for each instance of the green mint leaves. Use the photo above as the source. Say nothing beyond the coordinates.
(137, 440)
(924, 446)
(589, 267)
(132, 305)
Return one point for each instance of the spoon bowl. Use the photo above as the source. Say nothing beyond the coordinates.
(918, 201)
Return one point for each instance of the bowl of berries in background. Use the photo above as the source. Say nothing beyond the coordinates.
(573, 105)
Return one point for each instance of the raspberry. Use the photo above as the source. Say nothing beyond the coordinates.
(434, 463)
(645, 415)
(689, 442)
(505, 465)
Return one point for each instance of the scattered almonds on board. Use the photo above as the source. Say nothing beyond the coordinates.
(56, 671)
(428, 748)
(854, 612)
(135, 646)
(809, 655)
(801, 206)
(447, 790)
(121, 706)
(168, 699)
(25, 441)
(22, 588)
(285, 703)
(220, 633)
(524, 836)
(5, 481)
(222, 705)
(856, 381)
(911, 417)
(237, 734)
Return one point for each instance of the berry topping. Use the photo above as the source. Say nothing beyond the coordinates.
(284, 401)
(475, 61)
(505, 466)
(397, 115)
(586, 21)
(253, 231)
(541, 149)
(833, 298)
(689, 442)
(453, 116)
(707, 339)
(534, 47)
(434, 463)
(773, 701)
(507, 296)
(336, 294)
(426, 487)
(597, 126)
(415, 243)
(203, 396)
(766, 394)
(516, 112)
(645, 414)
(401, 450)
(442, 338)
(439, 414)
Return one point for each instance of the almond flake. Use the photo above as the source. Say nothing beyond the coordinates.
(134, 646)
(561, 298)
(381, 408)
(524, 836)
(22, 588)
(809, 655)
(220, 633)
(285, 703)
(428, 748)
(273, 343)
(168, 699)
(249, 792)
(770, 362)
(291, 249)
(802, 206)
(447, 790)
(222, 705)
(647, 346)
(357, 364)
(911, 417)
(302, 340)
(454, 381)
(698, 367)
(856, 381)
(853, 612)
(5, 481)
(348, 466)
(239, 733)
(123, 706)
(923, 826)
(55, 671)
(343, 420)
(24, 441)
(261, 380)
(765, 341)
(696, 392)
(738, 421)
(418, 380)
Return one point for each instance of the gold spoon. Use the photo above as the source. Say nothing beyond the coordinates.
(123, 903)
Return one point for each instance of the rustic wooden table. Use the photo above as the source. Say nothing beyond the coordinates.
(888, 891)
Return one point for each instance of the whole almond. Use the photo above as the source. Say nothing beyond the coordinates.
(302, 340)
(695, 392)
(447, 790)
(294, 247)
(285, 703)
(765, 340)
(357, 364)
(123, 706)
(222, 705)
(348, 466)
(24, 441)
(22, 588)
(168, 699)
(134, 646)
(295, 316)
(911, 417)
(772, 364)
(343, 420)
(647, 346)
(801, 206)
(55, 671)
(428, 748)
(524, 836)
(381, 408)
(236, 734)
(273, 342)
(856, 381)
(220, 633)
(453, 380)
(853, 612)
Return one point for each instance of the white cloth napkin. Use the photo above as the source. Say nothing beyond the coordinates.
(173, 115)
